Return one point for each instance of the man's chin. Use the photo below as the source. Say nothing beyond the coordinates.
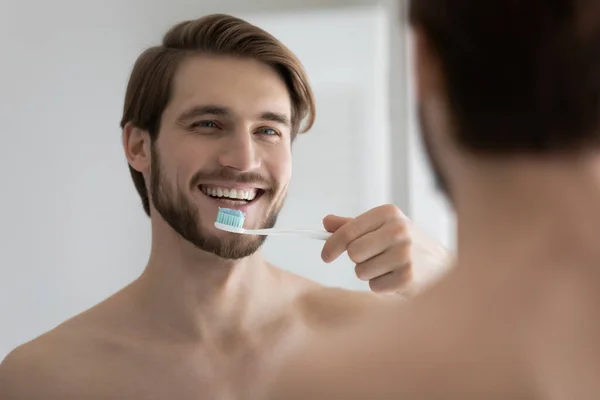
(238, 249)
(228, 245)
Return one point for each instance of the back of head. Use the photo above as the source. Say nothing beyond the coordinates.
(521, 76)
(149, 89)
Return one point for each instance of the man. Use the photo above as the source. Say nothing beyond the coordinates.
(208, 122)
(509, 94)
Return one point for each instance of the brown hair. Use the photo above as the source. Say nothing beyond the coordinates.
(521, 76)
(149, 88)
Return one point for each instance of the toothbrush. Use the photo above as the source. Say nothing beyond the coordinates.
(233, 221)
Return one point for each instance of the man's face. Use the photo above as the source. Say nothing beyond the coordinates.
(224, 141)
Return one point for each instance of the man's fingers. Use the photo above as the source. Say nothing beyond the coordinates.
(332, 223)
(398, 259)
(373, 219)
(370, 221)
(376, 242)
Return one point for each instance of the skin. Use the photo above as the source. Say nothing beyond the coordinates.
(196, 324)
(518, 315)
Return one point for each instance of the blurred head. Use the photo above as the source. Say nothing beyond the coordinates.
(503, 78)
(208, 122)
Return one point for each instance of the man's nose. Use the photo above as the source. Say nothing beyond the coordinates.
(239, 152)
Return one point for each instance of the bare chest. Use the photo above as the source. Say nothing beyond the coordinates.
(150, 372)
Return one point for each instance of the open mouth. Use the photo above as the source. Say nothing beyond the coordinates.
(232, 196)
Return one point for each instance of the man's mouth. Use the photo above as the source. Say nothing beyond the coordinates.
(233, 196)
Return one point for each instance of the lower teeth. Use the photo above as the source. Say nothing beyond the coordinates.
(228, 198)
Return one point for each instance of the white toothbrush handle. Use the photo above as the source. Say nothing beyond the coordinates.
(312, 234)
(319, 235)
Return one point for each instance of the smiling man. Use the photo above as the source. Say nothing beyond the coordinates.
(209, 120)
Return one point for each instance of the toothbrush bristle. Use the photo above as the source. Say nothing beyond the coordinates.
(227, 216)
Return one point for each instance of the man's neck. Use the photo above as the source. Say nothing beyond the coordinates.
(197, 295)
(533, 219)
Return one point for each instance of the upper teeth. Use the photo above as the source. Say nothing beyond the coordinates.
(237, 194)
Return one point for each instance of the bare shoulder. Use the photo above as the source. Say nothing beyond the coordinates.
(57, 363)
(346, 355)
(16, 374)
(408, 352)
(331, 307)
(38, 369)
(322, 306)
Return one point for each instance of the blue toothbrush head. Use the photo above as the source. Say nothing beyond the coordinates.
(233, 218)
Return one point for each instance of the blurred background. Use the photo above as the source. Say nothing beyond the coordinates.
(72, 228)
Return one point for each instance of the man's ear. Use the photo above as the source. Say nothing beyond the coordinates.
(427, 68)
(136, 143)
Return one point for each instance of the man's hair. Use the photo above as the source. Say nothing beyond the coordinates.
(522, 76)
(150, 83)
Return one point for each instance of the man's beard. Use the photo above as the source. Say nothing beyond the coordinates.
(184, 218)
(441, 183)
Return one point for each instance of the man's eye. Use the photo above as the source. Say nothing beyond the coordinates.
(268, 131)
(204, 124)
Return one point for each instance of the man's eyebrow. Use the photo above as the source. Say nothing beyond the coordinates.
(199, 111)
(223, 111)
(275, 117)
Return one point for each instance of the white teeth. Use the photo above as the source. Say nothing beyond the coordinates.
(236, 194)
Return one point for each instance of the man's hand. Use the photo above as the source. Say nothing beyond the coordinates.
(378, 242)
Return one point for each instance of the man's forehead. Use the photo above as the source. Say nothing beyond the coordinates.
(240, 84)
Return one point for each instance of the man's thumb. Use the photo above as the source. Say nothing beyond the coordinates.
(332, 223)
